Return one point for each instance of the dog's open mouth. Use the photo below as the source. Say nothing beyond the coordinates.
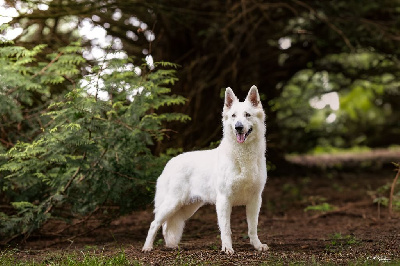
(241, 137)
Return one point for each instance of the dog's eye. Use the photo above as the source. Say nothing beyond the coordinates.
(247, 114)
(233, 115)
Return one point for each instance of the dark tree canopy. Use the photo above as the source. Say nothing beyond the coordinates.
(241, 43)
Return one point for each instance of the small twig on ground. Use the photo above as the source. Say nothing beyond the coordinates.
(392, 190)
(342, 210)
(72, 238)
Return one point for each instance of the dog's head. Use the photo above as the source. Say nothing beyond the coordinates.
(243, 120)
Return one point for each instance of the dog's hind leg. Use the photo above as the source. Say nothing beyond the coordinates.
(173, 227)
(162, 213)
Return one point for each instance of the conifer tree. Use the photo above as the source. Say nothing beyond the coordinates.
(93, 155)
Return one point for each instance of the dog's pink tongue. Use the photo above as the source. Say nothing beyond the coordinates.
(240, 138)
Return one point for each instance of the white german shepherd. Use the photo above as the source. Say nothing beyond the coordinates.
(232, 174)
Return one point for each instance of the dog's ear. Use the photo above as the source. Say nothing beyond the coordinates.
(230, 98)
(253, 97)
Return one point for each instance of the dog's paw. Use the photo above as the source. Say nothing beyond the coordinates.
(228, 251)
(172, 246)
(147, 249)
(262, 247)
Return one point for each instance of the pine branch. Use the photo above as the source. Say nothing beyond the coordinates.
(50, 207)
(48, 65)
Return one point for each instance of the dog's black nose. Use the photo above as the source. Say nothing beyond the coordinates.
(239, 126)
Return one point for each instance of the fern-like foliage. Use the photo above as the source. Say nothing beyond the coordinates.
(93, 156)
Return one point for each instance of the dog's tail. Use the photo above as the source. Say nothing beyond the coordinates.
(173, 226)
(172, 231)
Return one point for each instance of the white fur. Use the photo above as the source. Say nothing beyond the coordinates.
(232, 174)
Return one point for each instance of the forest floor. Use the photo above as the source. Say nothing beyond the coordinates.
(321, 217)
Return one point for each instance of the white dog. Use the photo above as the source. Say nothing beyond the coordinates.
(232, 174)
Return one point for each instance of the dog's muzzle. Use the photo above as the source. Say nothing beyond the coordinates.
(241, 136)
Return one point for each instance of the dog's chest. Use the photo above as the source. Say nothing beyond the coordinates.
(245, 174)
(246, 182)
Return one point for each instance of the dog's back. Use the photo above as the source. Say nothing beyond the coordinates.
(187, 177)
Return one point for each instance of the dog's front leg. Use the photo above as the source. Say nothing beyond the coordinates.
(252, 211)
(224, 209)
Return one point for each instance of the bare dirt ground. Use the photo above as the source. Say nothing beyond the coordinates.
(351, 229)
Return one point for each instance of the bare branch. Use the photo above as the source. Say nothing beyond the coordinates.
(392, 191)
(325, 20)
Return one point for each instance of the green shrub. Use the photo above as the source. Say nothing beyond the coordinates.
(323, 207)
(93, 155)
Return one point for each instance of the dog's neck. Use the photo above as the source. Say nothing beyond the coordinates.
(256, 147)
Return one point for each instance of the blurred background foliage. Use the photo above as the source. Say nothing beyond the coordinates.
(327, 72)
(294, 51)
